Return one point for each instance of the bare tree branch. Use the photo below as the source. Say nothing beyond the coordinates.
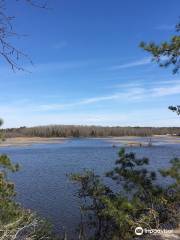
(37, 3)
(8, 51)
(26, 227)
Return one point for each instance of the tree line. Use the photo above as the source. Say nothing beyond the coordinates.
(87, 131)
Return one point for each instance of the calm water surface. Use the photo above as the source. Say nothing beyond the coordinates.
(43, 185)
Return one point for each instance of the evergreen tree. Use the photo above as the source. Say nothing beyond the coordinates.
(136, 201)
(167, 53)
(15, 221)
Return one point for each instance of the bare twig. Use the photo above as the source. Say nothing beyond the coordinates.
(9, 52)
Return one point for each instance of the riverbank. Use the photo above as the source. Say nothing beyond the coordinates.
(25, 141)
(115, 141)
(144, 141)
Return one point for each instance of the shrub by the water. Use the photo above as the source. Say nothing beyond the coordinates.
(140, 200)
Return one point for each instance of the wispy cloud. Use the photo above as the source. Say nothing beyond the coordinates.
(142, 83)
(58, 66)
(136, 63)
(165, 27)
(78, 112)
(165, 91)
(126, 85)
(127, 93)
(43, 68)
(87, 101)
(162, 117)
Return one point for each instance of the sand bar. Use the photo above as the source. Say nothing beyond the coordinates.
(24, 141)
(125, 140)
(144, 141)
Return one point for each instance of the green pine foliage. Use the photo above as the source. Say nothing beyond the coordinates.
(175, 109)
(166, 53)
(138, 200)
(15, 221)
(8, 208)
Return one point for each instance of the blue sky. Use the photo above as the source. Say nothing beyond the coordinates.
(88, 68)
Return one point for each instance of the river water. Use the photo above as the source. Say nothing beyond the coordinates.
(42, 183)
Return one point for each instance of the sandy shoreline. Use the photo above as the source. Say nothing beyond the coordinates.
(125, 140)
(23, 141)
(144, 141)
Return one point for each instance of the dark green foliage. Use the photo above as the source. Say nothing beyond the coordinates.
(175, 109)
(91, 192)
(166, 53)
(128, 174)
(8, 208)
(14, 220)
(174, 171)
(137, 201)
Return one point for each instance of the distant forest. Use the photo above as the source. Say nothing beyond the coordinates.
(87, 131)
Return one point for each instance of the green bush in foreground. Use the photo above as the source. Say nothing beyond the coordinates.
(137, 201)
(15, 222)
